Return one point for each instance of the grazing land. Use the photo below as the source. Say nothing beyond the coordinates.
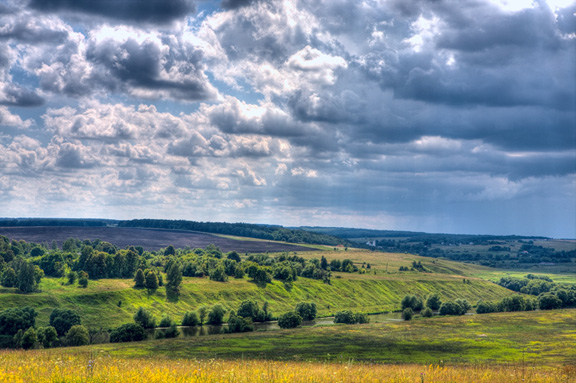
(149, 239)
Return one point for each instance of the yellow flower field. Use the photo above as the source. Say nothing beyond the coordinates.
(40, 366)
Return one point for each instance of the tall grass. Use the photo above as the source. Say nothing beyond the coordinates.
(84, 366)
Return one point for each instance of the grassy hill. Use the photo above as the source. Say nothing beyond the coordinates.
(108, 303)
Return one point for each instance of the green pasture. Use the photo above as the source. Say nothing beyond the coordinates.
(530, 338)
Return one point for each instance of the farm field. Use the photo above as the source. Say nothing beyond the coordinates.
(149, 239)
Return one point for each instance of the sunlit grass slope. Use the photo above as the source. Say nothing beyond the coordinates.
(109, 303)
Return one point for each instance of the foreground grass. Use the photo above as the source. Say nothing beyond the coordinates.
(81, 366)
(543, 338)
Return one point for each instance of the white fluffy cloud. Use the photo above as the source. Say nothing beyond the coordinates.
(412, 113)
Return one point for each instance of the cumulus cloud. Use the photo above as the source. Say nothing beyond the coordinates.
(395, 112)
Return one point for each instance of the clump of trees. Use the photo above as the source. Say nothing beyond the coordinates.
(348, 317)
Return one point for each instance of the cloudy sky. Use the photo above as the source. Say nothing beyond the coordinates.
(451, 116)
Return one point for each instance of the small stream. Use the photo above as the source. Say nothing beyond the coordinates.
(186, 331)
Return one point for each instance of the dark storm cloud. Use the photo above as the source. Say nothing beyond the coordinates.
(234, 4)
(151, 64)
(147, 11)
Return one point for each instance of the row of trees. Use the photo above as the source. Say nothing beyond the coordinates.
(18, 329)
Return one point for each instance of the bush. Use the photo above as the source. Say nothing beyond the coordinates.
(307, 310)
(433, 301)
(190, 319)
(12, 320)
(361, 318)
(485, 307)
(290, 320)
(549, 301)
(239, 324)
(29, 339)
(166, 321)
(345, 316)
(216, 315)
(83, 282)
(413, 302)
(77, 336)
(407, 313)
(450, 308)
(63, 319)
(144, 318)
(47, 336)
(427, 312)
(129, 332)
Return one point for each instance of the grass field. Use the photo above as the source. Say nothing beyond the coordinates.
(540, 338)
(84, 367)
(505, 347)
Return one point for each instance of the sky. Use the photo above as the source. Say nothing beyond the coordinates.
(445, 116)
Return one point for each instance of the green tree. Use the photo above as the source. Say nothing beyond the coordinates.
(9, 278)
(83, 282)
(72, 277)
(216, 315)
(248, 309)
(238, 323)
(14, 319)
(549, 301)
(307, 310)
(47, 336)
(202, 312)
(29, 339)
(27, 280)
(170, 250)
(433, 302)
(290, 320)
(174, 277)
(144, 318)
(407, 313)
(63, 319)
(129, 332)
(218, 274)
(166, 321)
(190, 319)
(427, 312)
(344, 316)
(139, 279)
(77, 336)
(151, 280)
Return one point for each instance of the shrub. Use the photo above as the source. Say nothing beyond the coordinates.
(216, 315)
(29, 339)
(345, 316)
(407, 313)
(412, 301)
(237, 323)
(450, 308)
(47, 336)
(433, 301)
(190, 319)
(83, 282)
(307, 310)
(427, 312)
(63, 319)
(549, 301)
(485, 307)
(290, 320)
(12, 320)
(144, 318)
(166, 321)
(361, 318)
(77, 336)
(129, 332)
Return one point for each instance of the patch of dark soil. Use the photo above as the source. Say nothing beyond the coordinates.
(149, 239)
